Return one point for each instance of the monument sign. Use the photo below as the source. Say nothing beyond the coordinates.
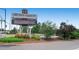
(24, 19)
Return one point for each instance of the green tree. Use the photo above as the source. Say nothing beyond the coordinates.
(47, 28)
(66, 30)
(13, 31)
(36, 28)
(24, 29)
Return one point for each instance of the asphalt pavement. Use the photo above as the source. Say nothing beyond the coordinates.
(53, 45)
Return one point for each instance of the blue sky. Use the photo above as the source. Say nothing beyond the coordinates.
(56, 15)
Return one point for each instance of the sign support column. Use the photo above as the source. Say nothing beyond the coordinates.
(30, 29)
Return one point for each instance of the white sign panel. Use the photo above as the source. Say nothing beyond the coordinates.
(28, 16)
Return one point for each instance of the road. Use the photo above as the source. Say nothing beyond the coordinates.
(54, 45)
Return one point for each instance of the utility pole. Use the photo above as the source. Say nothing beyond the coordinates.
(1, 22)
(5, 17)
(5, 20)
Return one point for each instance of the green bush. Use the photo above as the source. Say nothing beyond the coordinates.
(36, 37)
(10, 39)
(27, 37)
(75, 35)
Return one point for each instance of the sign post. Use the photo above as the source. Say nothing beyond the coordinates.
(30, 28)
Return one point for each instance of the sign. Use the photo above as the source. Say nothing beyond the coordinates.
(29, 16)
(21, 21)
(24, 19)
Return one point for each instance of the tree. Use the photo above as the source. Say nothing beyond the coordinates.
(47, 28)
(24, 29)
(13, 31)
(36, 28)
(1, 29)
(66, 30)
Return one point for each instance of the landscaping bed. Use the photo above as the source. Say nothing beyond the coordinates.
(11, 41)
(19, 39)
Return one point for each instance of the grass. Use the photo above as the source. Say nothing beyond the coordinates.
(35, 37)
(11, 39)
(10, 35)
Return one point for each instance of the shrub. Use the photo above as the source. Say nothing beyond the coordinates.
(27, 37)
(21, 35)
(11, 39)
(36, 37)
(75, 35)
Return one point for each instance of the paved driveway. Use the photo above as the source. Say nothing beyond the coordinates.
(54, 45)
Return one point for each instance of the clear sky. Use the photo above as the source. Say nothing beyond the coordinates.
(56, 15)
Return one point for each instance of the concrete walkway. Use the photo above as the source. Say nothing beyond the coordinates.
(54, 45)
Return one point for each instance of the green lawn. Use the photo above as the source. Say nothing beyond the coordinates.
(10, 35)
(11, 39)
